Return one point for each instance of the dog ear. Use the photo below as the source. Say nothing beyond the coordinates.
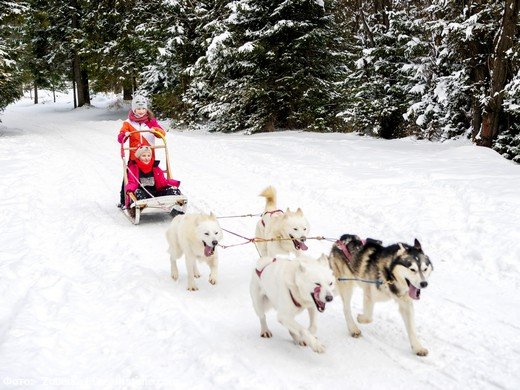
(401, 248)
(299, 211)
(417, 245)
(323, 259)
(212, 216)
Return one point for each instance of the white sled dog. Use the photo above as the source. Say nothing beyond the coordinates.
(290, 286)
(291, 227)
(401, 269)
(196, 236)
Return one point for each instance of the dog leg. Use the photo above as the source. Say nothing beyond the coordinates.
(297, 339)
(260, 306)
(345, 291)
(407, 312)
(313, 323)
(213, 268)
(368, 307)
(174, 269)
(196, 272)
(190, 267)
(301, 333)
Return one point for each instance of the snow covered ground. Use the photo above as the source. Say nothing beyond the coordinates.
(86, 299)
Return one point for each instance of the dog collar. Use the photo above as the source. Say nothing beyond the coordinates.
(294, 300)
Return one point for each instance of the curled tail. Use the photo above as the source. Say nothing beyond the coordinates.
(270, 198)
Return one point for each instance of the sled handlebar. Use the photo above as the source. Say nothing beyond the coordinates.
(154, 132)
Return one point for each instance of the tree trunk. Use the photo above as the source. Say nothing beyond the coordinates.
(84, 81)
(493, 110)
(77, 79)
(127, 89)
(35, 94)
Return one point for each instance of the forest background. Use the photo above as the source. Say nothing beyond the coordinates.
(435, 69)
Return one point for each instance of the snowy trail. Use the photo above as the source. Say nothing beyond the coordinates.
(86, 298)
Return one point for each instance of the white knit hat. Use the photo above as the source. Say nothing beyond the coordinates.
(141, 149)
(139, 101)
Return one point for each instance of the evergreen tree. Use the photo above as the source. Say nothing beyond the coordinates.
(272, 65)
(124, 39)
(177, 79)
(387, 69)
(10, 75)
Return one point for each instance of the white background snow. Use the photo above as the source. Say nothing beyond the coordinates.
(86, 299)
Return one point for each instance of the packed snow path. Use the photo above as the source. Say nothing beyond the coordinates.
(87, 299)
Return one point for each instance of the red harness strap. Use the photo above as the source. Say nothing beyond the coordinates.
(294, 300)
(259, 272)
(341, 245)
(269, 212)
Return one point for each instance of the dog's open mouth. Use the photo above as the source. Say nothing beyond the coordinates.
(320, 305)
(208, 250)
(413, 292)
(300, 245)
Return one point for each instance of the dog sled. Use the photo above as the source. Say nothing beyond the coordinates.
(172, 204)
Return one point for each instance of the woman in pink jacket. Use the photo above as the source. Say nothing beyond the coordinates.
(146, 178)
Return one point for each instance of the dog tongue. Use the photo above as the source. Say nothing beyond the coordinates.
(302, 245)
(319, 304)
(208, 250)
(414, 292)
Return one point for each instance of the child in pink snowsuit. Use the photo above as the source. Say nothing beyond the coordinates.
(146, 178)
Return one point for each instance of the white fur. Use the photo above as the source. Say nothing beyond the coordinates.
(283, 225)
(299, 277)
(189, 234)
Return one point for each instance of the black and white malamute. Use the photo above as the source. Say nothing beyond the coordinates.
(398, 271)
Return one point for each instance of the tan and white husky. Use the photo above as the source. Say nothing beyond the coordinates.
(290, 228)
(196, 236)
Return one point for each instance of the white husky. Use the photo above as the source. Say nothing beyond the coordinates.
(195, 236)
(290, 227)
(290, 286)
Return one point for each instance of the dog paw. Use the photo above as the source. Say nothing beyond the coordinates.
(193, 288)
(266, 335)
(196, 275)
(356, 334)
(213, 280)
(302, 343)
(175, 276)
(318, 347)
(363, 319)
(421, 351)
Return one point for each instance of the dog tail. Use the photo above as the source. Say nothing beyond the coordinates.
(270, 198)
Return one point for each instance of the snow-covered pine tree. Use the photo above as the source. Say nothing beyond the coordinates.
(190, 27)
(274, 65)
(442, 90)
(387, 65)
(10, 80)
(124, 38)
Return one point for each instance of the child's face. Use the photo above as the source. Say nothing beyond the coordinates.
(145, 157)
(140, 111)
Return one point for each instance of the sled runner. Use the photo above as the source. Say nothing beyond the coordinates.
(173, 204)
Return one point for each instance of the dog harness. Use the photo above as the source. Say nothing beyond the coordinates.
(259, 272)
(269, 212)
(294, 300)
(341, 245)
